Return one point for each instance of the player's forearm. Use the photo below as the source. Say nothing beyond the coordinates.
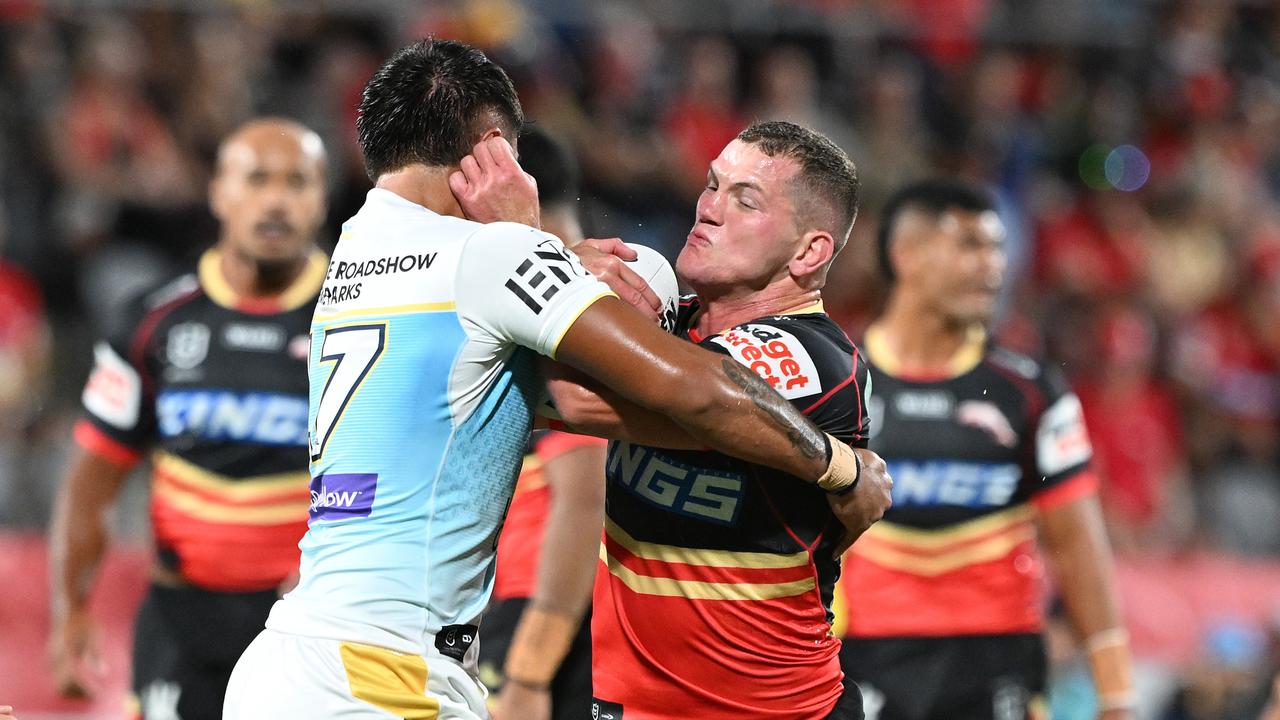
(571, 542)
(79, 530)
(734, 411)
(1075, 538)
(592, 410)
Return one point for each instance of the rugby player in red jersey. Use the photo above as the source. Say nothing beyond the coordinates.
(713, 594)
(207, 376)
(991, 459)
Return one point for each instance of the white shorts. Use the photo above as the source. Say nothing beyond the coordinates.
(293, 677)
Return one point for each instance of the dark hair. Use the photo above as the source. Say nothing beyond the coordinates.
(551, 164)
(429, 104)
(826, 172)
(934, 196)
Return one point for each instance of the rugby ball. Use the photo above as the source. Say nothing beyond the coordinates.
(654, 269)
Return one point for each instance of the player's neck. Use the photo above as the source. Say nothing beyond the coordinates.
(248, 277)
(425, 186)
(720, 311)
(922, 342)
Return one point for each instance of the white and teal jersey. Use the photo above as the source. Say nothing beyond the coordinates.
(423, 377)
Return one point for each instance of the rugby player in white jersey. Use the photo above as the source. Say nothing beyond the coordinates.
(440, 296)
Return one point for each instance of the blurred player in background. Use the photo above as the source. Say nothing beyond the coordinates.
(424, 382)
(713, 597)
(990, 454)
(208, 375)
(536, 654)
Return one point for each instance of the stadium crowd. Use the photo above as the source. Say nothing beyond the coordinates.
(1134, 148)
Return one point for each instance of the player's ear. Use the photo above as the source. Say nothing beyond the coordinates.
(217, 197)
(815, 250)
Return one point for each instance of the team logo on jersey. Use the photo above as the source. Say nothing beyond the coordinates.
(775, 355)
(953, 482)
(300, 347)
(987, 416)
(187, 345)
(539, 277)
(342, 496)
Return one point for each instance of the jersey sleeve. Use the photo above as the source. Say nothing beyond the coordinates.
(815, 374)
(1063, 451)
(119, 420)
(523, 286)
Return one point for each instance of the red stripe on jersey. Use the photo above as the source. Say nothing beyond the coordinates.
(227, 557)
(999, 596)
(712, 659)
(284, 496)
(89, 437)
(692, 571)
(1081, 485)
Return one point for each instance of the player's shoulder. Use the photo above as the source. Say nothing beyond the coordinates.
(799, 355)
(1045, 376)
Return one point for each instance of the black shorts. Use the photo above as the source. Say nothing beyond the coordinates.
(991, 677)
(570, 688)
(185, 643)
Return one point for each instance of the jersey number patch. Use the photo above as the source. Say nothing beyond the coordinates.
(353, 350)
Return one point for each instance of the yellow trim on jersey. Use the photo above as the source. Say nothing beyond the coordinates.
(698, 590)
(303, 289)
(244, 489)
(202, 508)
(390, 681)
(965, 359)
(388, 310)
(556, 345)
(702, 556)
(992, 548)
(952, 534)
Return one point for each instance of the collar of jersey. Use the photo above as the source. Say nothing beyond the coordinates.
(814, 308)
(965, 359)
(302, 291)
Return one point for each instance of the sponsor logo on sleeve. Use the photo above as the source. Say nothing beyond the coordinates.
(1062, 442)
(540, 276)
(775, 355)
(114, 391)
(342, 496)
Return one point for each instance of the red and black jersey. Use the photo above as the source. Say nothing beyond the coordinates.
(973, 456)
(215, 387)
(520, 544)
(713, 597)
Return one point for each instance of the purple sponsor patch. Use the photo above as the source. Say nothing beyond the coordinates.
(342, 496)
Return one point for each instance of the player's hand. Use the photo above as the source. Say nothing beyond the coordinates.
(864, 506)
(605, 258)
(6, 713)
(492, 187)
(521, 702)
(73, 653)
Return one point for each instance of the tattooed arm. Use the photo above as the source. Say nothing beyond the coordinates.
(718, 402)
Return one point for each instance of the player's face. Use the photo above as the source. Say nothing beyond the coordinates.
(746, 230)
(964, 265)
(269, 193)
